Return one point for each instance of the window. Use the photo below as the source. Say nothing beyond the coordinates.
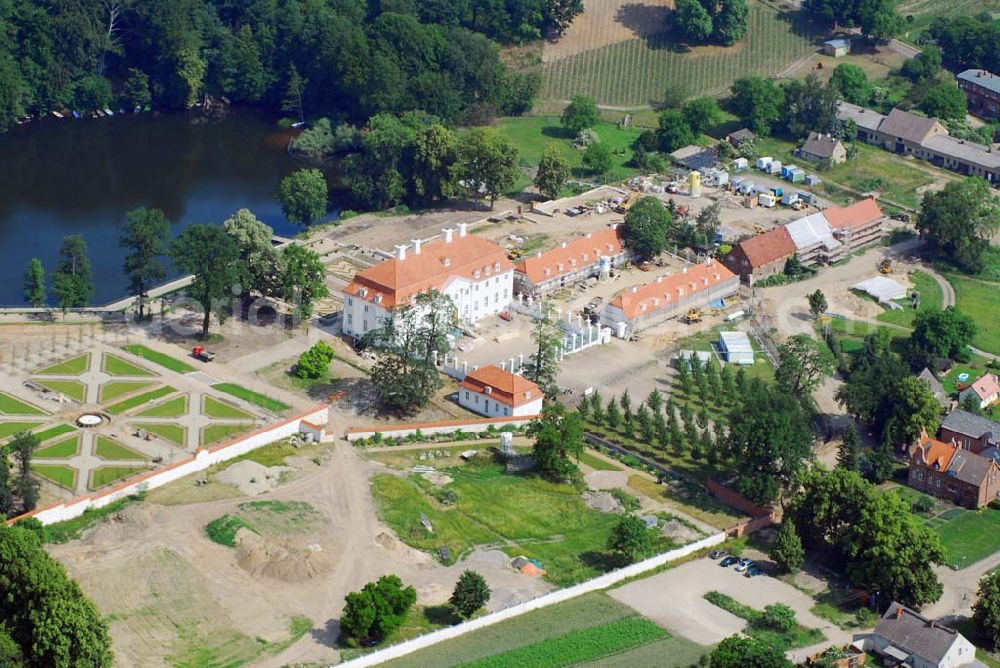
(506, 411)
(350, 301)
(477, 398)
(466, 394)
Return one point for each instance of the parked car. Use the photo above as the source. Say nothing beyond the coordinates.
(716, 554)
(743, 565)
(754, 571)
(729, 561)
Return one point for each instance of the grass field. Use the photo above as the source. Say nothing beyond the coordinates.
(64, 476)
(689, 498)
(64, 449)
(222, 530)
(978, 299)
(255, 398)
(636, 72)
(597, 463)
(140, 399)
(74, 366)
(105, 475)
(670, 651)
(534, 517)
(175, 407)
(174, 433)
(217, 432)
(73, 389)
(108, 449)
(116, 366)
(925, 11)
(11, 428)
(214, 408)
(800, 636)
(930, 298)
(157, 357)
(117, 388)
(52, 432)
(10, 405)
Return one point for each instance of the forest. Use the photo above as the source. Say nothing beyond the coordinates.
(347, 59)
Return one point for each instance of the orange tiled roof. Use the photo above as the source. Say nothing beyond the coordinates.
(572, 255)
(507, 388)
(768, 247)
(437, 263)
(859, 214)
(667, 290)
(935, 454)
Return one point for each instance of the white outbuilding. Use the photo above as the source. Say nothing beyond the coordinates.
(736, 348)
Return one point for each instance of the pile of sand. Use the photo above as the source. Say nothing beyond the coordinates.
(437, 478)
(602, 501)
(279, 559)
(679, 531)
(252, 478)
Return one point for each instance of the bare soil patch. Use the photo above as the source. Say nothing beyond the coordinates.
(605, 22)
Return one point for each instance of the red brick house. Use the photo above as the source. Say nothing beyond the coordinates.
(970, 431)
(764, 255)
(948, 472)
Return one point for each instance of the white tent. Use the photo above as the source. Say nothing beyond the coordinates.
(882, 288)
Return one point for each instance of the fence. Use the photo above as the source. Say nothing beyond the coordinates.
(761, 517)
(201, 460)
(474, 426)
(601, 582)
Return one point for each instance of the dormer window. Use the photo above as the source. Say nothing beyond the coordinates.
(476, 274)
(496, 266)
(363, 292)
(560, 266)
(572, 262)
(489, 271)
(527, 394)
(585, 258)
(488, 390)
(378, 299)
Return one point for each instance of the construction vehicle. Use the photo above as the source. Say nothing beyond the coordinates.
(885, 266)
(200, 353)
(630, 202)
(693, 316)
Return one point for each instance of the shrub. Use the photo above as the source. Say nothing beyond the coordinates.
(314, 363)
(627, 501)
(222, 530)
(778, 617)
(376, 611)
(471, 593)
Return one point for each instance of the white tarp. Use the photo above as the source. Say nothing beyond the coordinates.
(882, 288)
(811, 230)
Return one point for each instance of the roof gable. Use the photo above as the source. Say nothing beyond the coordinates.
(970, 424)
(765, 248)
(571, 256)
(907, 126)
(822, 145)
(503, 386)
(668, 290)
(986, 387)
(915, 634)
(857, 215)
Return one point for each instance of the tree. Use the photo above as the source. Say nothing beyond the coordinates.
(377, 610)
(487, 163)
(646, 225)
(625, 401)
(701, 113)
(817, 304)
(135, 89)
(257, 253)
(870, 389)
(655, 401)
(731, 21)
(23, 446)
(579, 114)
(674, 130)
(629, 539)
(560, 13)
(597, 158)
(878, 465)
(434, 154)
(914, 410)
(34, 283)
(925, 66)
(803, 363)
(743, 652)
(959, 220)
(315, 362)
(849, 452)
(778, 617)
(770, 438)
(407, 343)
(303, 278)
(809, 105)
(44, 612)
(787, 550)
(6, 498)
(146, 238)
(553, 171)
(986, 609)
(596, 408)
(72, 281)
(940, 333)
(548, 337)
(471, 593)
(759, 103)
(303, 196)
(214, 258)
(558, 434)
(294, 91)
(944, 100)
(852, 82)
(692, 20)
(612, 415)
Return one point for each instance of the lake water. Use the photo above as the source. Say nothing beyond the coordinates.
(60, 177)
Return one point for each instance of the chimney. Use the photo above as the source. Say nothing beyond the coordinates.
(446, 261)
(538, 254)
(635, 289)
(448, 232)
(589, 235)
(685, 270)
(659, 279)
(562, 245)
(416, 246)
(462, 229)
(400, 252)
(614, 226)
(899, 612)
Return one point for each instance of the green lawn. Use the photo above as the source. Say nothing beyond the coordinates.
(677, 650)
(930, 298)
(255, 398)
(109, 449)
(64, 476)
(74, 366)
(116, 388)
(140, 399)
(800, 636)
(174, 433)
(218, 432)
(52, 432)
(597, 463)
(157, 357)
(11, 428)
(970, 536)
(106, 475)
(116, 366)
(214, 408)
(980, 301)
(64, 449)
(73, 389)
(175, 407)
(10, 405)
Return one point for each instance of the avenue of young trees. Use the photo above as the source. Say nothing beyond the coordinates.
(351, 58)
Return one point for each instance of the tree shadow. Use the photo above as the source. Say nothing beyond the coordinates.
(802, 25)
(601, 561)
(557, 132)
(328, 635)
(643, 20)
(443, 615)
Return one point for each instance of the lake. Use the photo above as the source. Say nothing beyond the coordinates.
(60, 177)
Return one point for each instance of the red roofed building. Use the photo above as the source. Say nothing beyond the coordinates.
(948, 472)
(761, 256)
(669, 296)
(856, 225)
(570, 262)
(474, 272)
(494, 392)
(985, 391)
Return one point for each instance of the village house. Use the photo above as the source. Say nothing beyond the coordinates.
(985, 391)
(474, 272)
(905, 638)
(741, 135)
(982, 90)
(571, 262)
(970, 431)
(904, 133)
(937, 389)
(814, 240)
(823, 148)
(948, 472)
(669, 296)
(495, 392)
(857, 225)
(866, 120)
(837, 48)
(760, 256)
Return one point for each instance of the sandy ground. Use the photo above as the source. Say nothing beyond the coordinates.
(605, 22)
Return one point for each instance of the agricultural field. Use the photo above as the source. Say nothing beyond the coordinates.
(923, 13)
(619, 69)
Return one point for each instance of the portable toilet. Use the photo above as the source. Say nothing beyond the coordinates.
(695, 183)
(762, 163)
(774, 167)
(789, 199)
(777, 191)
(620, 329)
(740, 164)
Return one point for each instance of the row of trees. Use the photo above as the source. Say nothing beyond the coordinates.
(874, 18)
(722, 22)
(968, 41)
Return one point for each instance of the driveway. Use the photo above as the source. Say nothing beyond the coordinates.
(675, 600)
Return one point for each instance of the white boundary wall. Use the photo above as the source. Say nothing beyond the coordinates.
(202, 459)
(601, 582)
(471, 426)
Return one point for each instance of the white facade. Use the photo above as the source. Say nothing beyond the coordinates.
(961, 653)
(484, 404)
